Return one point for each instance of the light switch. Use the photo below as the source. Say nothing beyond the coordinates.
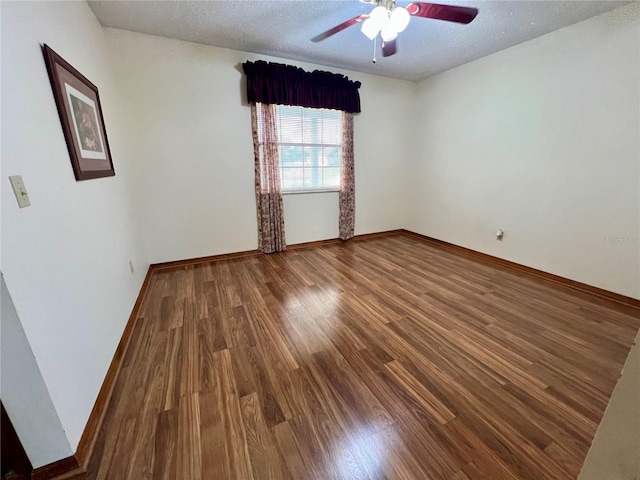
(18, 189)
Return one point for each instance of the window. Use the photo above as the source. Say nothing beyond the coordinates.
(309, 147)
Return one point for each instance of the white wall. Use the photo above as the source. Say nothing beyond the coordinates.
(65, 258)
(192, 129)
(540, 140)
(24, 393)
(615, 451)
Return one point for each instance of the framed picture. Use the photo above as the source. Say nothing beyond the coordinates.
(80, 113)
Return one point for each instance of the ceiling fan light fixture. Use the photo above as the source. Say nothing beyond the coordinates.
(399, 18)
(388, 20)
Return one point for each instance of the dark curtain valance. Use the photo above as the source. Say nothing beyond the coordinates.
(280, 84)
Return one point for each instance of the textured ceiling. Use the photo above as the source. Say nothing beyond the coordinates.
(282, 28)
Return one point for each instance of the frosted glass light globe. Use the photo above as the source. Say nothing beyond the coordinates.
(369, 29)
(388, 33)
(399, 19)
(379, 16)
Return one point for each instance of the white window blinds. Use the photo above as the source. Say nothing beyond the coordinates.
(309, 146)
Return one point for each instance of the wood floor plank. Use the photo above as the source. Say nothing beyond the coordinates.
(189, 454)
(298, 465)
(419, 393)
(229, 404)
(166, 439)
(215, 455)
(352, 392)
(206, 335)
(119, 461)
(382, 358)
(265, 458)
(391, 450)
(172, 369)
(471, 450)
(316, 430)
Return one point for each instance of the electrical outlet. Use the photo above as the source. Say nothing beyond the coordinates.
(131, 266)
(20, 191)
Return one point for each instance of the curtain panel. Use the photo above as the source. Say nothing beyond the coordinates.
(267, 180)
(280, 84)
(347, 194)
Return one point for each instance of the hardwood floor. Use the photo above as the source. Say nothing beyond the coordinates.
(387, 357)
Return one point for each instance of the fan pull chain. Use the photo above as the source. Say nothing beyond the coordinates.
(375, 41)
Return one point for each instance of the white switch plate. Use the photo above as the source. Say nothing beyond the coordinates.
(20, 191)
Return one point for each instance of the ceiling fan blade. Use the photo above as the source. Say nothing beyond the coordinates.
(450, 13)
(389, 48)
(339, 28)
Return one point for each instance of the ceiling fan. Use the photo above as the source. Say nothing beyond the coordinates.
(389, 19)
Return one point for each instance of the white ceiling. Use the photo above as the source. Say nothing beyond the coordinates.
(283, 28)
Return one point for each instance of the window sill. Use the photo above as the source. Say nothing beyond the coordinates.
(323, 190)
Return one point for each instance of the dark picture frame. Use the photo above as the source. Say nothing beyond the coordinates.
(81, 117)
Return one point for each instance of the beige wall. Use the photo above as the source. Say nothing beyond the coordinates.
(615, 451)
(191, 138)
(24, 393)
(65, 259)
(541, 140)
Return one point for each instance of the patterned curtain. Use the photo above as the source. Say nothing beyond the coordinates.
(347, 180)
(267, 172)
